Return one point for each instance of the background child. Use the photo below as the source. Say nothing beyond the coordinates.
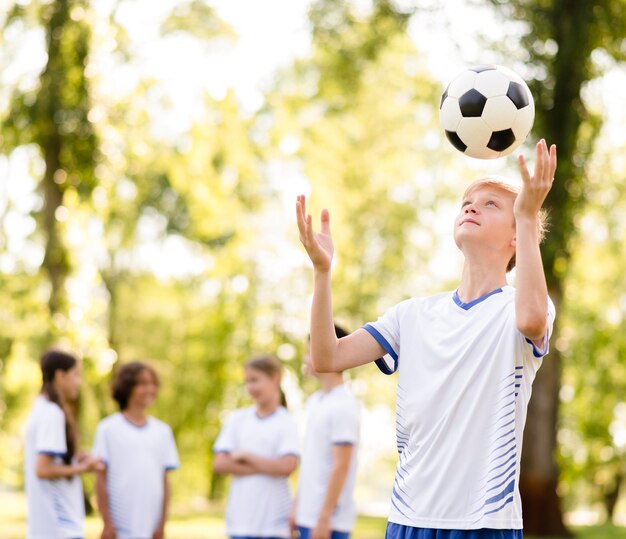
(258, 445)
(324, 507)
(138, 450)
(466, 361)
(54, 491)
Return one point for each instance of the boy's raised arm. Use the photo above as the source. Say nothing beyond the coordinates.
(531, 303)
(328, 353)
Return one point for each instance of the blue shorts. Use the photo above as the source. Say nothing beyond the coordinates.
(305, 533)
(398, 531)
(251, 537)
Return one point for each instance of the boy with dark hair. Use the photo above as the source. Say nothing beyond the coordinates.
(466, 361)
(138, 450)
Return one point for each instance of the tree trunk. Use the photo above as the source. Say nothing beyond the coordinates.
(561, 113)
(540, 473)
(55, 261)
(47, 107)
(611, 497)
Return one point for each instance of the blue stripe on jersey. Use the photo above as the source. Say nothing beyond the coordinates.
(467, 306)
(52, 453)
(398, 531)
(381, 363)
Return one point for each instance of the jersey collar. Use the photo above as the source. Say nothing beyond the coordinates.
(467, 306)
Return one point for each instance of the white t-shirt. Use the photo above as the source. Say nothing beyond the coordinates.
(465, 377)
(55, 507)
(259, 504)
(136, 458)
(332, 419)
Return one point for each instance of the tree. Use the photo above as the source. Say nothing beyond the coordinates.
(350, 112)
(559, 40)
(55, 117)
(593, 419)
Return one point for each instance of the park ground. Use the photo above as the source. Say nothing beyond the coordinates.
(210, 524)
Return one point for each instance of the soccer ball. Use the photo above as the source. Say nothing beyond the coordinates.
(487, 111)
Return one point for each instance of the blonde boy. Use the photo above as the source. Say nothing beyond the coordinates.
(465, 359)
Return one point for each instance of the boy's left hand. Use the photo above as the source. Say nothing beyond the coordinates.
(536, 187)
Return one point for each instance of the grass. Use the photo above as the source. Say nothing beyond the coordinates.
(210, 525)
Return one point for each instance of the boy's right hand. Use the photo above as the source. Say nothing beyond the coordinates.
(319, 246)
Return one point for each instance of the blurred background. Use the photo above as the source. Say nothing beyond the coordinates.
(150, 156)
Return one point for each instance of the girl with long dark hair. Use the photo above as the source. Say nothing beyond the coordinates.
(52, 465)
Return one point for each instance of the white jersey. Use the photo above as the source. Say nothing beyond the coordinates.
(465, 377)
(137, 458)
(55, 507)
(259, 504)
(332, 419)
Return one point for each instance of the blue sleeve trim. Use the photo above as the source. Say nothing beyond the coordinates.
(52, 453)
(343, 443)
(171, 468)
(227, 451)
(540, 353)
(290, 455)
(381, 363)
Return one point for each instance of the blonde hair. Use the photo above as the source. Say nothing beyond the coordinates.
(502, 184)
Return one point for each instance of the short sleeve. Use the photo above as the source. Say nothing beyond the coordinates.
(386, 331)
(289, 443)
(171, 459)
(100, 444)
(225, 442)
(344, 424)
(545, 347)
(51, 433)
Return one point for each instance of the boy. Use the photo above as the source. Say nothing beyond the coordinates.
(138, 450)
(465, 360)
(324, 506)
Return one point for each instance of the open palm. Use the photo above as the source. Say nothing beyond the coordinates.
(318, 245)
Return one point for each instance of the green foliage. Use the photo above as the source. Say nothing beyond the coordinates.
(592, 431)
(55, 114)
(561, 41)
(352, 109)
(199, 20)
(357, 120)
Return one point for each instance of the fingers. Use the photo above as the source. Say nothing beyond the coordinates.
(310, 238)
(540, 161)
(301, 216)
(523, 169)
(304, 220)
(545, 164)
(325, 222)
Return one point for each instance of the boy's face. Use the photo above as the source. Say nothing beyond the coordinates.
(486, 219)
(145, 391)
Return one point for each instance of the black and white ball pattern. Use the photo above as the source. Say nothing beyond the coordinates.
(487, 111)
